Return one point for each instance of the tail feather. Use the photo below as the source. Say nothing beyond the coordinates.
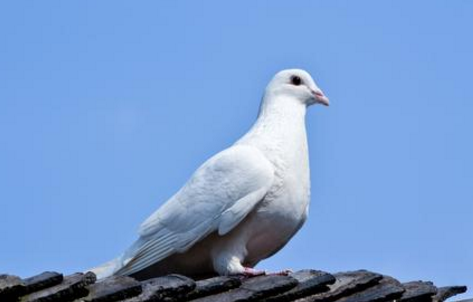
(107, 269)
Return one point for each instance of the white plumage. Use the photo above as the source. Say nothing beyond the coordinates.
(240, 206)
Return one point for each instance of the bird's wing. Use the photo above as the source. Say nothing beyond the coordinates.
(217, 197)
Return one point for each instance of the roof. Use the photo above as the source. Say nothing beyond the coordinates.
(300, 286)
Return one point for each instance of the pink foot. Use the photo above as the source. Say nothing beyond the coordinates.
(251, 272)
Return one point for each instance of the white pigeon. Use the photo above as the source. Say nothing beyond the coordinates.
(242, 205)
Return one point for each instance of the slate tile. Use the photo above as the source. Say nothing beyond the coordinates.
(443, 293)
(167, 288)
(42, 281)
(387, 289)
(418, 291)
(269, 285)
(310, 282)
(213, 286)
(235, 295)
(254, 289)
(112, 289)
(72, 287)
(346, 283)
(11, 287)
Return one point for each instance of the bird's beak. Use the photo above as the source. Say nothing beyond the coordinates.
(320, 97)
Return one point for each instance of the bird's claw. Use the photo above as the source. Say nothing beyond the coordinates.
(251, 272)
(284, 272)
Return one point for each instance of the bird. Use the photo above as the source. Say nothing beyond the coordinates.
(240, 206)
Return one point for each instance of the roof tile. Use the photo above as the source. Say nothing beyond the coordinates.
(213, 286)
(446, 292)
(387, 289)
(418, 291)
(113, 289)
(173, 287)
(42, 281)
(310, 282)
(345, 284)
(73, 287)
(11, 287)
(253, 289)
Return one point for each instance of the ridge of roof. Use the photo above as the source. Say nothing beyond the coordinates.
(301, 286)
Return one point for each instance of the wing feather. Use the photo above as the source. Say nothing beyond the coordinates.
(217, 197)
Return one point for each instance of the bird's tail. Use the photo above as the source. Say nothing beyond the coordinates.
(114, 267)
(107, 269)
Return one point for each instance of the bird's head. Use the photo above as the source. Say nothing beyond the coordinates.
(296, 84)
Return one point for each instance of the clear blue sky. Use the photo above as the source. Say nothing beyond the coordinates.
(107, 107)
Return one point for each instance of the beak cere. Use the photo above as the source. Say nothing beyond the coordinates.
(320, 97)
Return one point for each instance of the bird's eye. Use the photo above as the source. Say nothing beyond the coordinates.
(296, 80)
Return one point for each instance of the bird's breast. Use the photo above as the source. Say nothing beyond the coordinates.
(279, 216)
(284, 209)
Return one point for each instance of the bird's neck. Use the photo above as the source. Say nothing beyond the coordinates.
(281, 108)
(280, 125)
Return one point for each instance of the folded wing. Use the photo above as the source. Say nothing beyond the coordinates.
(220, 194)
